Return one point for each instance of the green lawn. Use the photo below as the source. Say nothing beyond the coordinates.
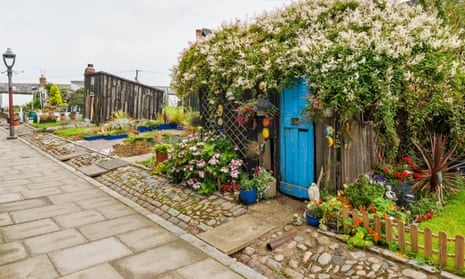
(450, 220)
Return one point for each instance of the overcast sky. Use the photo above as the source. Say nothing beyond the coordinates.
(59, 38)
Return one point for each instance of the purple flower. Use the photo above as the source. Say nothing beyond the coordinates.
(196, 185)
(224, 169)
(235, 173)
(200, 164)
(201, 174)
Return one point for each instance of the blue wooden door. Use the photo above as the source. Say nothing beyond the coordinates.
(296, 143)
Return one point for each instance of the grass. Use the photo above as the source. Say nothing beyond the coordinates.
(51, 124)
(450, 220)
(76, 132)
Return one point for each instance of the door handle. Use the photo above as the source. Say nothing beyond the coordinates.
(303, 130)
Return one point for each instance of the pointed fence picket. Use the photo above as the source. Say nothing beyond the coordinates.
(395, 231)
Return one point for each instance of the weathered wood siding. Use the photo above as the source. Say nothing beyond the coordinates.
(360, 153)
(106, 93)
(350, 156)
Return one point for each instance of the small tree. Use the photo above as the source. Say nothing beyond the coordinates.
(54, 95)
(76, 98)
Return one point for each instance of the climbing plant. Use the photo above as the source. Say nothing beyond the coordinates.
(400, 66)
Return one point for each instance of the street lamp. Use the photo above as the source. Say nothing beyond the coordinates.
(9, 59)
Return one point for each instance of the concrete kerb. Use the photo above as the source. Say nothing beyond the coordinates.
(211, 251)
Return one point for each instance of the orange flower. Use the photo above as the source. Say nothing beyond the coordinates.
(358, 222)
(330, 214)
(371, 231)
(377, 237)
(345, 202)
(339, 197)
(384, 215)
(363, 208)
(373, 208)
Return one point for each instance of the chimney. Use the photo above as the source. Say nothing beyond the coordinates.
(89, 69)
(198, 34)
(42, 80)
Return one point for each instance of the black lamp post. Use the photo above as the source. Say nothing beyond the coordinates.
(9, 59)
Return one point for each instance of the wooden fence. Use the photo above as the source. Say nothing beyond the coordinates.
(429, 250)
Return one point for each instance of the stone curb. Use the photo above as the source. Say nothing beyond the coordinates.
(211, 251)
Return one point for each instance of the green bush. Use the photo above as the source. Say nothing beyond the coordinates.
(364, 191)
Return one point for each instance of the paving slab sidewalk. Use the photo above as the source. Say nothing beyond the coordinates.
(57, 223)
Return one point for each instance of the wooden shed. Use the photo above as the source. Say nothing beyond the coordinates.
(106, 93)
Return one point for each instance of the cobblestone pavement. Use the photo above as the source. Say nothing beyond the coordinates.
(310, 253)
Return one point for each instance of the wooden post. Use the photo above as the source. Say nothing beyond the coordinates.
(389, 234)
(401, 236)
(377, 224)
(459, 252)
(428, 240)
(442, 248)
(345, 216)
(366, 220)
(414, 238)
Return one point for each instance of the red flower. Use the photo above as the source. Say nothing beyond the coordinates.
(371, 231)
(387, 170)
(397, 174)
(340, 198)
(417, 175)
(404, 174)
(330, 214)
(385, 216)
(345, 202)
(358, 222)
(363, 208)
(407, 159)
(373, 208)
(377, 237)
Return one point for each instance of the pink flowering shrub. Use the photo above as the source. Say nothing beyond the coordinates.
(203, 161)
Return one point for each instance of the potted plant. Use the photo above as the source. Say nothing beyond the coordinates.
(313, 213)
(73, 115)
(161, 152)
(263, 180)
(248, 191)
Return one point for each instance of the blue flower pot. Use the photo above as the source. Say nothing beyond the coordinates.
(113, 137)
(312, 221)
(94, 137)
(248, 197)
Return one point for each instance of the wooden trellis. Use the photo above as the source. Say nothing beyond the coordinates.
(231, 128)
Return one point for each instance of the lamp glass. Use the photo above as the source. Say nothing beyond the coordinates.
(9, 58)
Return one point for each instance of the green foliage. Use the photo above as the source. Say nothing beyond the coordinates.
(395, 65)
(364, 191)
(261, 179)
(54, 95)
(119, 115)
(76, 98)
(161, 147)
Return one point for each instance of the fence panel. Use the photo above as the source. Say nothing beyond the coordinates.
(459, 252)
(442, 248)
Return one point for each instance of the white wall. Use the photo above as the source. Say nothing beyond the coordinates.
(17, 100)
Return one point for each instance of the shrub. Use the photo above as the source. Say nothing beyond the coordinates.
(364, 191)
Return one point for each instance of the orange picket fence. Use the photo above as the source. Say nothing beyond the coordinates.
(395, 230)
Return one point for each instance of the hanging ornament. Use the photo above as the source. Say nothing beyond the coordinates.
(265, 133)
(266, 122)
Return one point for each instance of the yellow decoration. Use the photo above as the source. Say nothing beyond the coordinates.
(265, 133)
(220, 110)
(330, 141)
